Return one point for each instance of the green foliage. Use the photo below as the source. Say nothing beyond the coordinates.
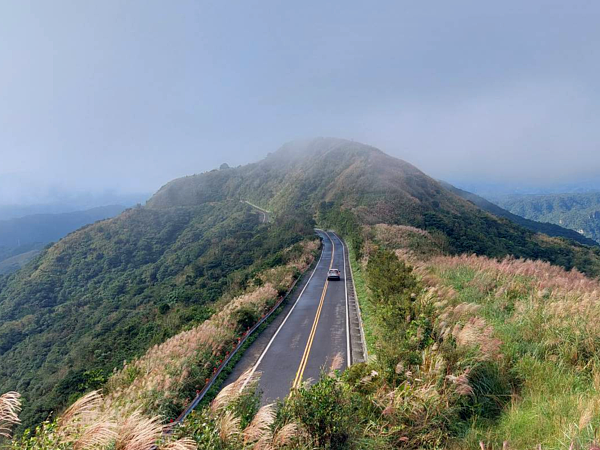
(245, 318)
(393, 290)
(344, 222)
(541, 224)
(577, 211)
(326, 411)
(42, 437)
(109, 291)
(208, 430)
(492, 390)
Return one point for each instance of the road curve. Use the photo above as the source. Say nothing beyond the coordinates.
(264, 214)
(309, 336)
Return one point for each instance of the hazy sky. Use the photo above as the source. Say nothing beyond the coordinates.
(129, 94)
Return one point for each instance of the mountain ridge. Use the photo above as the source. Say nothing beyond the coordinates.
(550, 229)
(110, 290)
(576, 211)
(376, 188)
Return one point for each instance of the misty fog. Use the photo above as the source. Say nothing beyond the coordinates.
(121, 97)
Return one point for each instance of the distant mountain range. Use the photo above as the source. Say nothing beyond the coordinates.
(21, 239)
(538, 225)
(64, 203)
(576, 211)
(490, 189)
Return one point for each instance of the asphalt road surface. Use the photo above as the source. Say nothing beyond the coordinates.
(309, 336)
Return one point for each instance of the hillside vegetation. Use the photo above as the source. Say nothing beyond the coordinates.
(109, 291)
(463, 329)
(579, 212)
(21, 239)
(157, 386)
(545, 227)
(345, 176)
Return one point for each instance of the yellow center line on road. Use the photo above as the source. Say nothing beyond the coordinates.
(311, 336)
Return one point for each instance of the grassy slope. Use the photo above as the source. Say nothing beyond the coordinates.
(533, 323)
(544, 321)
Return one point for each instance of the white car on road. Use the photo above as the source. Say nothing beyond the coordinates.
(333, 274)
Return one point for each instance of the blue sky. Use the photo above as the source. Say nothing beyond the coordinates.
(127, 95)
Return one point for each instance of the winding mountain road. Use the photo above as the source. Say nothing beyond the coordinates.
(310, 335)
(264, 214)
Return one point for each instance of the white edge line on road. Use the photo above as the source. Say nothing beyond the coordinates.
(282, 323)
(348, 351)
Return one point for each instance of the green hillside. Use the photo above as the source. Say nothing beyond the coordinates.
(550, 229)
(375, 188)
(109, 291)
(579, 212)
(22, 238)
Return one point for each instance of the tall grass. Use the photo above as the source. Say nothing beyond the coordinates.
(168, 375)
(146, 391)
(538, 323)
(516, 342)
(10, 406)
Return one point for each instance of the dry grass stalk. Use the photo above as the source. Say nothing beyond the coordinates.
(461, 383)
(10, 406)
(96, 435)
(84, 425)
(233, 391)
(181, 444)
(476, 333)
(286, 435)
(90, 424)
(260, 427)
(82, 411)
(229, 427)
(337, 363)
(138, 432)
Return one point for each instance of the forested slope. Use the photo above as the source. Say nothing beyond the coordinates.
(336, 175)
(578, 211)
(548, 228)
(110, 290)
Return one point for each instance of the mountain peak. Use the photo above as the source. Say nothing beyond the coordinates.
(305, 172)
(299, 148)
